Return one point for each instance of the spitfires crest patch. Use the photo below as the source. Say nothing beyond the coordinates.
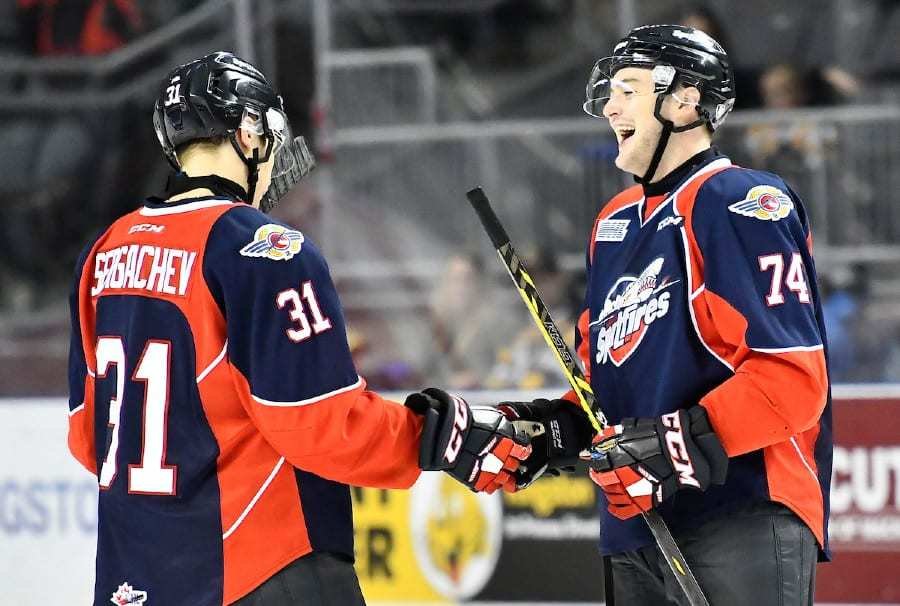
(765, 203)
(274, 242)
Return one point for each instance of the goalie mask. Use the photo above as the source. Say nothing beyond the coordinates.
(212, 97)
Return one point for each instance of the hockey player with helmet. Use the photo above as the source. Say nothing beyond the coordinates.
(211, 385)
(703, 339)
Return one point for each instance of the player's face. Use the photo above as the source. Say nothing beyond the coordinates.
(630, 114)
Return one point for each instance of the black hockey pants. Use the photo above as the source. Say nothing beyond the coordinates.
(760, 556)
(318, 579)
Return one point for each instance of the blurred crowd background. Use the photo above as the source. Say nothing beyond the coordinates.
(409, 104)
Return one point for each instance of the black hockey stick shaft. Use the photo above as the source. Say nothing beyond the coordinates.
(567, 360)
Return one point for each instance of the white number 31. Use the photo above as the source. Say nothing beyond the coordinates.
(795, 278)
(293, 300)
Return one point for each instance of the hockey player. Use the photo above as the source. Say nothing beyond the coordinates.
(702, 334)
(211, 385)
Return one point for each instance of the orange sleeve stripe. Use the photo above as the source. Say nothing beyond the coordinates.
(355, 436)
(782, 392)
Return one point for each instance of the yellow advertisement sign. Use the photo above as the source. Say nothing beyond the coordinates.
(436, 542)
(440, 542)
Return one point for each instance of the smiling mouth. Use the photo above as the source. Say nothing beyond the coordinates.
(625, 135)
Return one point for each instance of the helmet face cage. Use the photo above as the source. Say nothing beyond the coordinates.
(675, 54)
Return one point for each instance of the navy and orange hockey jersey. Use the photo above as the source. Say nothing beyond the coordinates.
(213, 394)
(706, 293)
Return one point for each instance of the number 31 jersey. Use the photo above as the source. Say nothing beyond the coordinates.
(213, 393)
(707, 295)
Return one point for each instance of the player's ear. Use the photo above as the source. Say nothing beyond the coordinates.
(247, 139)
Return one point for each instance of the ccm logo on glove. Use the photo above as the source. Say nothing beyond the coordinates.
(678, 453)
(460, 424)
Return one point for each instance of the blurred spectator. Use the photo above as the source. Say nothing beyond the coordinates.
(526, 361)
(843, 291)
(78, 27)
(699, 16)
(469, 323)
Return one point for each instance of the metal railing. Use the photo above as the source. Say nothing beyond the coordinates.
(107, 81)
(548, 178)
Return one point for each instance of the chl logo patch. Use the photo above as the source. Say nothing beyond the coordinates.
(275, 242)
(611, 230)
(632, 305)
(765, 203)
(126, 595)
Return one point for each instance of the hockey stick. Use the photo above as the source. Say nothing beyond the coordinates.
(541, 316)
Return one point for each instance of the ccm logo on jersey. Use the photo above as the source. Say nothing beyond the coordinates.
(764, 202)
(148, 227)
(460, 423)
(678, 453)
(274, 242)
(632, 305)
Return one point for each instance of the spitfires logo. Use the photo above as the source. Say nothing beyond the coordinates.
(765, 203)
(274, 242)
(632, 305)
(126, 595)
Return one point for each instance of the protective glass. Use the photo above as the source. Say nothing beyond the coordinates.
(603, 85)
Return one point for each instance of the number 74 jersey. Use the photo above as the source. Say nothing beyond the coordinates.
(707, 295)
(213, 393)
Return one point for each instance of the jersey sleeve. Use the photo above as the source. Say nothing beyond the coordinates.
(290, 361)
(81, 392)
(756, 309)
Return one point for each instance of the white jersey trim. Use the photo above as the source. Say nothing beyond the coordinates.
(693, 295)
(802, 458)
(214, 363)
(255, 498)
(715, 164)
(76, 410)
(787, 349)
(183, 208)
(312, 400)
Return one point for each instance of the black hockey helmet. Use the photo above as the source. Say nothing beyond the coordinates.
(676, 54)
(212, 97)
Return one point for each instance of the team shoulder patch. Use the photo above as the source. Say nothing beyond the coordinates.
(764, 202)
(275, 242)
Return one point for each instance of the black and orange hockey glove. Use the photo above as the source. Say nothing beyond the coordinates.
(642, 462)
(477, 445)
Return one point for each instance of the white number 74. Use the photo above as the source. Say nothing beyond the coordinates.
(795, 279)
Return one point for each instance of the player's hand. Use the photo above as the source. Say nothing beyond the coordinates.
(642, 462)
(559, 430)
(477, 445)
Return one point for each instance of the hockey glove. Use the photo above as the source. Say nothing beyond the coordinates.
(559, 431)
(642, 462)
(477, 445)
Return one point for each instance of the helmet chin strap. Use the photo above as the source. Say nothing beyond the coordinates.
(668, 127)
(252, 164)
